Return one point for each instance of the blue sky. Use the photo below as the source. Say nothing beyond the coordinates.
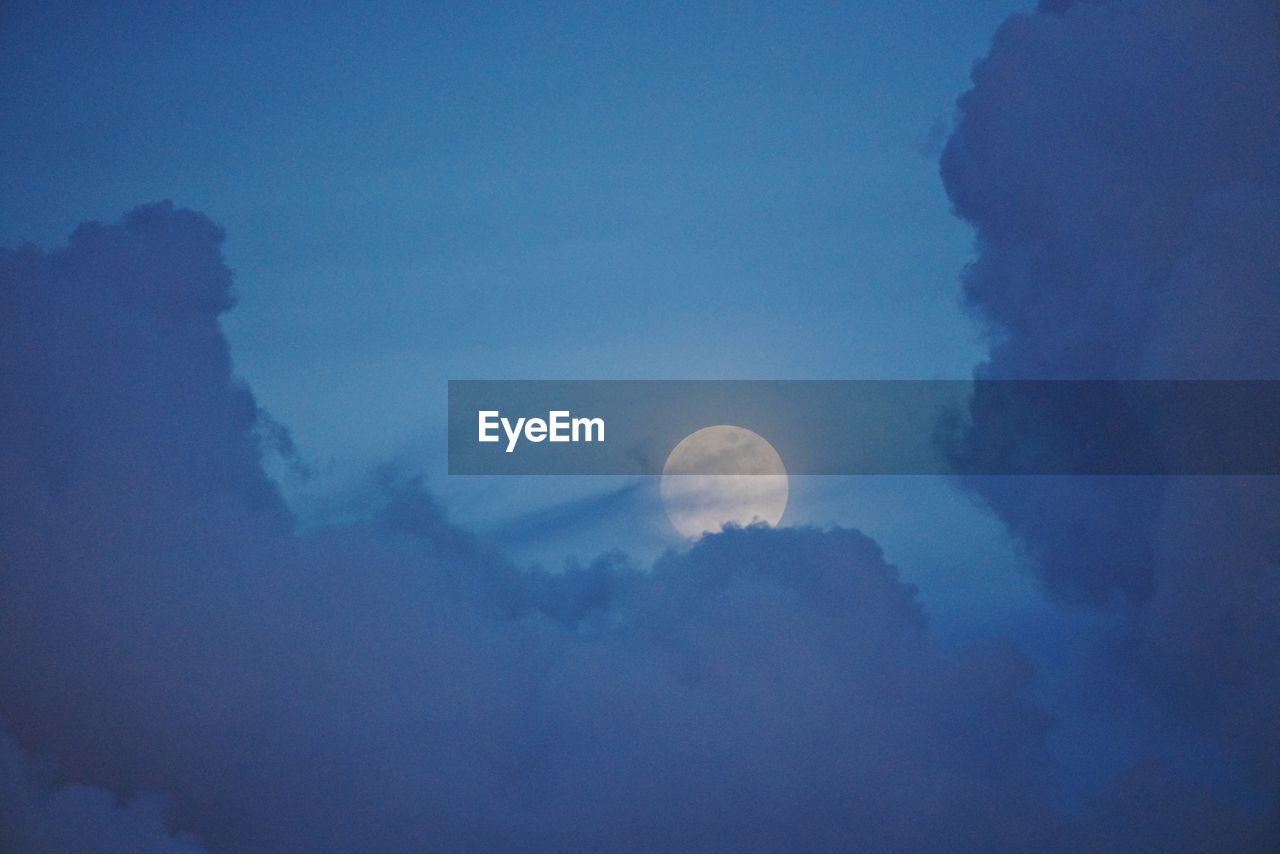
(573, 191)
(415, 194)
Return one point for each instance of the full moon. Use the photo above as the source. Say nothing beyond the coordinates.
(721, 475)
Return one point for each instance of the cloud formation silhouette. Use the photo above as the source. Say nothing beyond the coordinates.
(393, 682)
(1120, 162)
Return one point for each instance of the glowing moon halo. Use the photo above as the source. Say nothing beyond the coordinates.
(720, 475)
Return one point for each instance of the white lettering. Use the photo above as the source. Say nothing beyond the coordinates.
(559, 422)
(487, 423)
(557, 427)
(587, 424)
(513, 434)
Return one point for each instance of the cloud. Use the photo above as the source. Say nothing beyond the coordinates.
(1120, 163)
(38, 816)
(391, 682)
(567, 517)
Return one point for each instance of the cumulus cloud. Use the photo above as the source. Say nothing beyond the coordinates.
(1120, 162)
(392, 682)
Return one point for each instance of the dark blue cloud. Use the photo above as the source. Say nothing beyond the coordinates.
(393, 682)
(37, 815)
(1120, 162)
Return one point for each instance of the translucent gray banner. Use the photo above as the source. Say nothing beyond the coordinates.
(996, 427)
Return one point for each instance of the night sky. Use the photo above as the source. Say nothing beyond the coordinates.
(243, 606)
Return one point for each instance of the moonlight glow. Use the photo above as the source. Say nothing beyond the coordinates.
(722, 475)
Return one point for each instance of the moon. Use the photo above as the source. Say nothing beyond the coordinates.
(722, 475)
